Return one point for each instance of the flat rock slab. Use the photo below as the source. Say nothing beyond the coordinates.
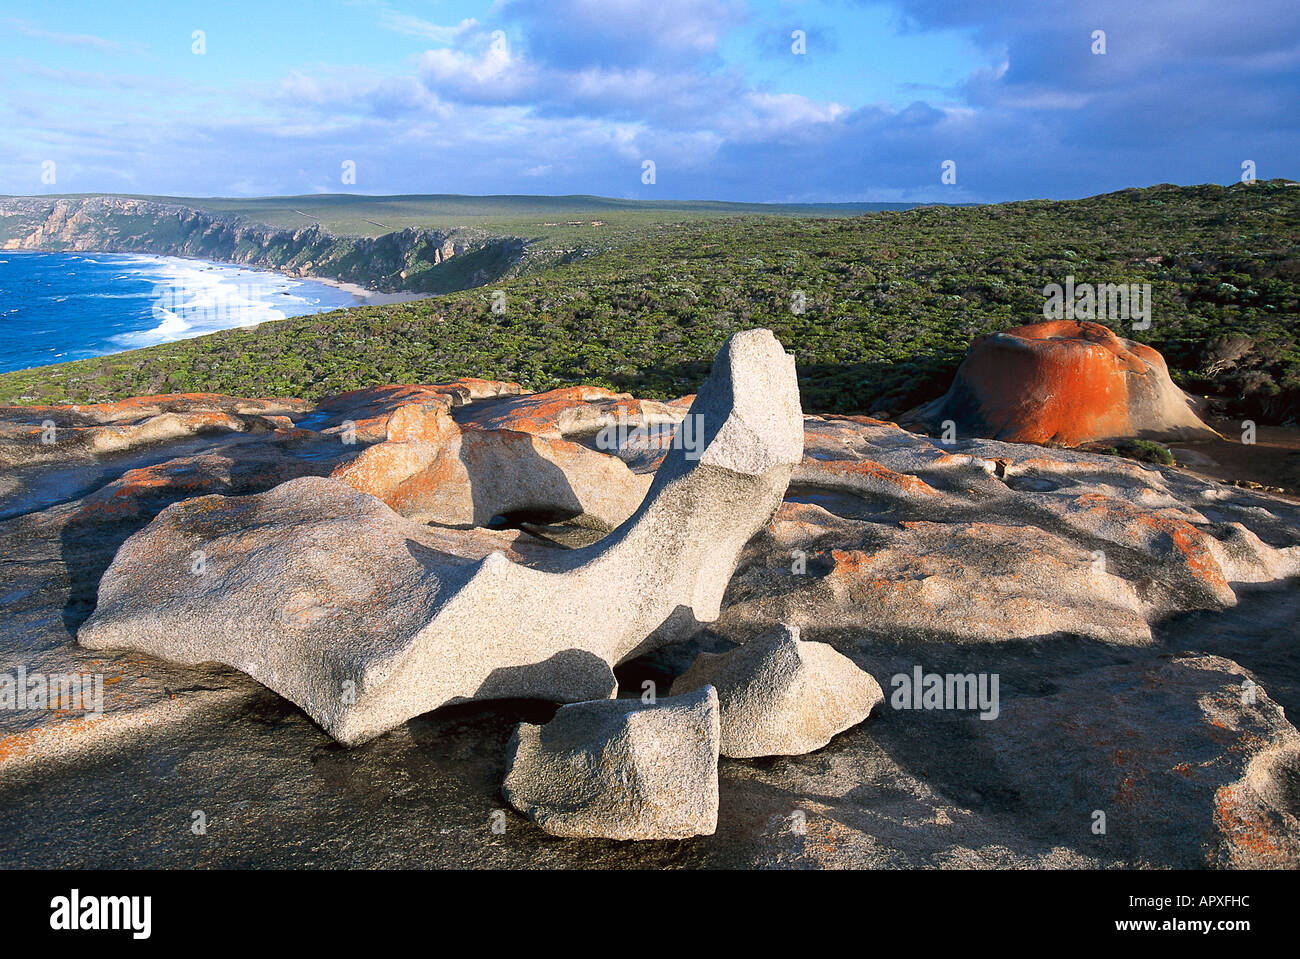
(620, 769)
(890, 533)
(1187, 758)
(780, 696)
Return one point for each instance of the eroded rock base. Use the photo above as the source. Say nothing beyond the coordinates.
(1123, 608)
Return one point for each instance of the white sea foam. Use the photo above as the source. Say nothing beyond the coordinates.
(192, 297)
(108, 296)
(112, 302)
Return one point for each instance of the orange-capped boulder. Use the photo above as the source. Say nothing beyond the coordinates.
(1064, 382)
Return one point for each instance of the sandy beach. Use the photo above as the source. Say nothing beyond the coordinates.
(368, 297)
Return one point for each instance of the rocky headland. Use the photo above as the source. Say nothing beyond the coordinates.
(410, 260)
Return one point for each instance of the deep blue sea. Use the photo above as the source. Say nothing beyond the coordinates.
(56, 307)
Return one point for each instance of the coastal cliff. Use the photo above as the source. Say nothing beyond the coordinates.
(428, 261)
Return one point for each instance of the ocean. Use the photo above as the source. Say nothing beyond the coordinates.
(56, 307)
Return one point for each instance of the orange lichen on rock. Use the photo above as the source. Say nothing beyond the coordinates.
(802, 516)
(17, 746)
(850, 562)
(363, 415)
(853, 568)
(1151, 529)
(572, 411)
(865, 475)
(429, 468)
(553, 413)
(1063, 382)
(477, 389)
(140, 491)
(122, 498)
(862, 420)
(1246, 828)
(141, 407)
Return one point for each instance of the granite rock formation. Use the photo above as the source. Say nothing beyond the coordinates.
(327, 596)
(429, 469)
(620, 769)
(780, 696)
(1141, 621)
(1063, 382)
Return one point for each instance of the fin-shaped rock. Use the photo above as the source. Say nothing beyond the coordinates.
(366, 619)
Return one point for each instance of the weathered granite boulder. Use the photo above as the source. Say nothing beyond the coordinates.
(367, 414)
(437, 473)
(40, 434)
(572, 411)
(780, 696)
(620, 769)
(327, 596)
(1064, 382)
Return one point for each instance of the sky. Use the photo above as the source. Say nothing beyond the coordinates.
(749, 100)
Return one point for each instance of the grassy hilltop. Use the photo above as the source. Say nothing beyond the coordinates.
(550, 218)
(591, 221)
(893, 299)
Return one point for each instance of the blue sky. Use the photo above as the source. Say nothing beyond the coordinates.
(573, 96)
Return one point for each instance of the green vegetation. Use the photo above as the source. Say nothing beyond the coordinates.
(1145, 451)
(892, 299)
(552, 218)
(1152, 452)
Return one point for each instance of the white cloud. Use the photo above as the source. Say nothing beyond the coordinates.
(416, 27)
(87, 40)
(412, 26)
